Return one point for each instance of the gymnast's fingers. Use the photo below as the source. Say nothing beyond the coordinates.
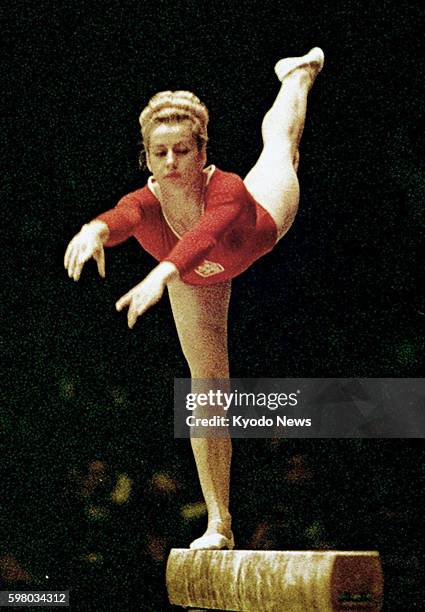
(123, 301)
(67, 255)
(77, 270)
(99, 256)
(132, 315)
(81, 256)
(70, 256)
(72, 260)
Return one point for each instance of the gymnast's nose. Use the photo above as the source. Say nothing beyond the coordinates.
(171, 159)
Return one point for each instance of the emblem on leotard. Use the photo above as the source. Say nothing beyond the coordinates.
(208, 268)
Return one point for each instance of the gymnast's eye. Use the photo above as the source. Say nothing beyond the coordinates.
(160, 154)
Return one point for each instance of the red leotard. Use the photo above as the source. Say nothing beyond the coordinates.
(232, 233)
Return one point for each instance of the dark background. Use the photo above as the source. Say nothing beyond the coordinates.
(86, 401)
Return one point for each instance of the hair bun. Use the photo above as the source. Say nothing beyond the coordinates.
(175, 106)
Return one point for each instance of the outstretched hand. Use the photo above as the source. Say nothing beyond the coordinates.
(147, 293)
(86, 244)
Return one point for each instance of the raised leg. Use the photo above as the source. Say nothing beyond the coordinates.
(273, 180)
(200, 314)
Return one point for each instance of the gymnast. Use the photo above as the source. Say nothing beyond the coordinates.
(205, 227)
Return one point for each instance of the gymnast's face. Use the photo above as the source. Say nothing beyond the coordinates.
(173, 156)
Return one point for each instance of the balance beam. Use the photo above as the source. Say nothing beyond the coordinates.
(275, 581)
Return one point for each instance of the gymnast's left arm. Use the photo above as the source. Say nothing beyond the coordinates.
(148, 292)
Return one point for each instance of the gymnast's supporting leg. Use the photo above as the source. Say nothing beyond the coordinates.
(273, 180)
(200, 314)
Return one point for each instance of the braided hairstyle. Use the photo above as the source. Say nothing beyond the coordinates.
(173, 107)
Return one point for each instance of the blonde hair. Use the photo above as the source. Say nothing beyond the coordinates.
(173, 107)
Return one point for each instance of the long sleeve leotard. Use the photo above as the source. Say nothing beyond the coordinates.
(234, 230)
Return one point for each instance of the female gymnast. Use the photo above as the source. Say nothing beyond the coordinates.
(204, 226)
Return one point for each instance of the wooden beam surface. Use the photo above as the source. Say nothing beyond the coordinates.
(275, 581)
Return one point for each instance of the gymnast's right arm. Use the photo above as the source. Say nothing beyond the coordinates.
(108, 229)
